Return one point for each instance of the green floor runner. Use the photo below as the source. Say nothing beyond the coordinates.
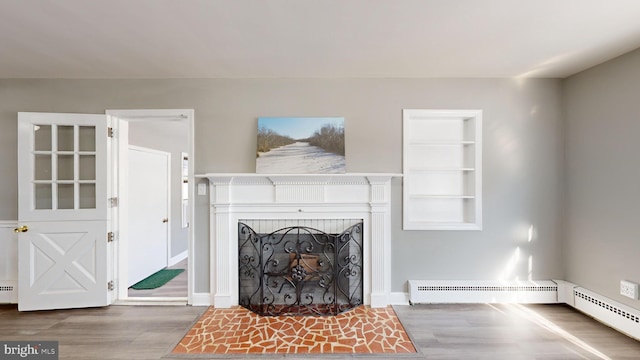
(156, 280)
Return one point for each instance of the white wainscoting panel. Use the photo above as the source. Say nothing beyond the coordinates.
(8, 262)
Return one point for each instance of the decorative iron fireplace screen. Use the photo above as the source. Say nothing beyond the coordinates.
(300, 270)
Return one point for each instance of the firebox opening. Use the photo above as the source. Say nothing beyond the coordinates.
(308, 267)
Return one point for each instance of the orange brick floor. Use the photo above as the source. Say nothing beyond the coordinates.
(239, 331)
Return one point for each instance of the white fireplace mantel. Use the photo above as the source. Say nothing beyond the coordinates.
(364, 196)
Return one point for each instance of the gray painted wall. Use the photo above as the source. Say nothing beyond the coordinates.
(523, 153)
(602, 243)
(172, 137)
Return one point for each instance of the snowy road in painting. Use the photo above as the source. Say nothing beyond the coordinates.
(299, 158)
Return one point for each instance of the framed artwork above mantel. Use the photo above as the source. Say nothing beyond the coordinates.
(300, 145)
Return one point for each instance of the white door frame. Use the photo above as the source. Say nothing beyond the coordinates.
(120, 214)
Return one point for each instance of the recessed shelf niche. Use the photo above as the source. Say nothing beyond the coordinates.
(442, 165)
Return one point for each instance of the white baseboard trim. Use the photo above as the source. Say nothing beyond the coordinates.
(8, 223)
(201, 299)
(176, 259)
(222, 301)
(164, 301)
(399, 298)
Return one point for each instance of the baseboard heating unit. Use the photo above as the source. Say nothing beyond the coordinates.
(620, 317)
(470, 291)
(8, 291)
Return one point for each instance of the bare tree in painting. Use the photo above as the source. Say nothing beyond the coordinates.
(329, 138)
(269, 139)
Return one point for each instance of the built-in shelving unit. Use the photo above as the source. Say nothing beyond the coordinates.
(442, 165)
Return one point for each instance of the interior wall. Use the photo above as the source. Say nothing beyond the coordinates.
(172, 137)
(602, 177)
(522, 154)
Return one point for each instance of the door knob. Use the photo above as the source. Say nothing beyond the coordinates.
(23, 228)
(165, 220)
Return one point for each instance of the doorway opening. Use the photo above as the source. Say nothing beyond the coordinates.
(152, 153)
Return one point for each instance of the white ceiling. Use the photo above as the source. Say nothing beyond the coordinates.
(312, 38)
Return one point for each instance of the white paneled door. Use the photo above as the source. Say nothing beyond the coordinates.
(63, 211)
(148, 203)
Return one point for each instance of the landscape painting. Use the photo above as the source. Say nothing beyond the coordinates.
(300, 145)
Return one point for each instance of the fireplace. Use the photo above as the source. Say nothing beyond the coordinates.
(300, 202)
(299, 269)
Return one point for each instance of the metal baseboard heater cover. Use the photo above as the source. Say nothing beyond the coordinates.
(623, 318)
(8, 291)
(481, 291)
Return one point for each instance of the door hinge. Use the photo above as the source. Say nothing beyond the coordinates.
(110, 285)
(110, 236)
(113, 202)
(110, 132)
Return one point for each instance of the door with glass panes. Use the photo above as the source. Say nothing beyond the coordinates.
(63, 216)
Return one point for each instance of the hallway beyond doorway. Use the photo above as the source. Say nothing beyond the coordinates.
(177, 287)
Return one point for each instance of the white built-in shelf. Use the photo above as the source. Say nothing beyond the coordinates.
(442, 169)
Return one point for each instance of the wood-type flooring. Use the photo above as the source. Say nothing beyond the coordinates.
(469, 331)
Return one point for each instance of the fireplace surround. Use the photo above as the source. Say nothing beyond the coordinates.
(290, 198)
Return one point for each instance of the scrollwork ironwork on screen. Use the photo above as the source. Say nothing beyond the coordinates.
(300, 270)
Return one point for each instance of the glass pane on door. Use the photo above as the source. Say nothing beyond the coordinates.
(87, 138)
(43, 196)
(42, 169)
(65, 167)
(65, 138)
(87, 196)
(87, 167)
(42, 137)
(65, 196)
